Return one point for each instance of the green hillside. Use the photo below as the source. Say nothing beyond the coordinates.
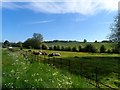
(72, 44)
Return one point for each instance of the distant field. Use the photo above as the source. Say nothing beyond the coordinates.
(76, 44)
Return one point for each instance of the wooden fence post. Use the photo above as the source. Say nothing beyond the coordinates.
(60, 62)
(69, 66)
(53, 61)
(81, 68)
(96, 77)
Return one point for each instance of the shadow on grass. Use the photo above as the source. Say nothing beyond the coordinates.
(87, 66)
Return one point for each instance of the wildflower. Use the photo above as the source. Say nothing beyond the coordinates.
(55, 73)
(25, 68)
(26, 81)
(36, 80)
(41, 79)
(37, 74)
(12, 71)
(18, 77)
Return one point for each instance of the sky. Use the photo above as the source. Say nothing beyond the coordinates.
(58, 19)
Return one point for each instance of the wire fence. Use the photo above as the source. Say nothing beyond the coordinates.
(69, 66)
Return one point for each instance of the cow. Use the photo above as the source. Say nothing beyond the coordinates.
(54, 54)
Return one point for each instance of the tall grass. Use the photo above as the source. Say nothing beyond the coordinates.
(18, 72)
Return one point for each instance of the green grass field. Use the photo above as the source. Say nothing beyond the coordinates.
(47, 76)
(76, 44)
(17, 73)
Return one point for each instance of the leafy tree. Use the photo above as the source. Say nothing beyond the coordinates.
(85, 41)
(6, 43)
(62, 48)
(55, 47)
(34, 42)
(102, 49)
(115, 33)
(68, 48)
(19, 44)
(95, 41)
(74, 49)
(80, 48)
(58, 47)
(38, 37)
(44, 46)
(90, 48)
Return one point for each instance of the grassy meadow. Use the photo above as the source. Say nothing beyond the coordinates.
(19, 72)
(76, 44)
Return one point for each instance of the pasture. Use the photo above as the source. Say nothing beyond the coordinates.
(76, 44)
(81, 72)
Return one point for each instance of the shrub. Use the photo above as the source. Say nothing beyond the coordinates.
(90, 48)
(44, 46)
(102, 49)
(74, 49)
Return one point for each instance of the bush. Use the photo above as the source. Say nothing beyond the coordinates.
(116, 50)
(44, 46)
(102, 49)
(90, 48)
(74, 49)
(79, 48)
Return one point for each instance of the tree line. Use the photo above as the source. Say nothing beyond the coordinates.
(36, 42)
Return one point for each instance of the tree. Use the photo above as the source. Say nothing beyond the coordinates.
(80, 48)
(38, 36)
(74, 49)
(85, 41)
(44, 46)
(6, 43)
(62, 48)
(19, 44)
(102, 49)
(95, 41)
(34, 42)
(115, 33)
(90, 48)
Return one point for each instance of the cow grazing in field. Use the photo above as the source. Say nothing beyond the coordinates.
(44, 53)
(36, 53)
(29, 50)
(54, 54)
(10, 48)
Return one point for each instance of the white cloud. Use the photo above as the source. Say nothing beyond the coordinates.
(85, 7)
(40, 22)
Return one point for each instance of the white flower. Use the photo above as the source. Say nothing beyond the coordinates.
(37, 74)
(36, 80)
(25, 80)
(18, 77)
(55, 73)
(12, 71)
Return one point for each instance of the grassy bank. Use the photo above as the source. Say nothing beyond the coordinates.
(18, 72)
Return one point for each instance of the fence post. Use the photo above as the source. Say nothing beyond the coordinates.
(69, 65)
(96, 77)
(60, 62)
(53, 60)
(80, 68)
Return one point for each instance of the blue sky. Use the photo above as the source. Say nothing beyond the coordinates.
(61, 20)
